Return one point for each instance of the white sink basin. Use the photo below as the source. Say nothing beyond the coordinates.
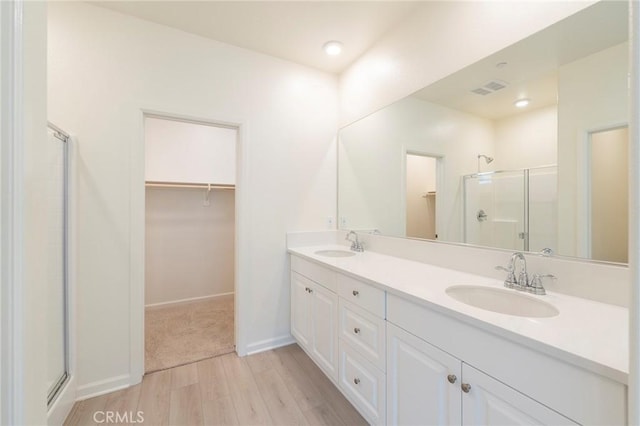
(502, 301)
(335, 253)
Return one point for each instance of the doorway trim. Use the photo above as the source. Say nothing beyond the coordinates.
(137, 250)
(12, 312)
(583, 192)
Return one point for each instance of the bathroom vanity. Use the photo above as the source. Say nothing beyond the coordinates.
(403, 351)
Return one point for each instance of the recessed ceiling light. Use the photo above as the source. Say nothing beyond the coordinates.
(332, 48)
(521, 103)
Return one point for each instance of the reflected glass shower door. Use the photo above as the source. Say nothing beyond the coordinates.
(54, 199)
(543, 208)
(495, 209)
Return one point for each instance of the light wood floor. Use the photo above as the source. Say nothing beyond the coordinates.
(277, 387)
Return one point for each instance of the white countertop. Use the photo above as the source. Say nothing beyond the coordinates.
(586, 333)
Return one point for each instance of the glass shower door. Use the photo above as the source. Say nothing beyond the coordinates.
(55, 214)
(495, 209)
(543, 208)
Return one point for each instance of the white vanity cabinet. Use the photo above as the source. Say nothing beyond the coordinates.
(403, 360)
(426, 385)
(423, 382)
(314, 315)
(363, 347)
(508, 383)
(486, 401)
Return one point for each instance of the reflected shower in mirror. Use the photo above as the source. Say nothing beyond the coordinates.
(512, 139)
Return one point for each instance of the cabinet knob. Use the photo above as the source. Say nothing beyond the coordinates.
(452, 378)
(356, 381)
(466, 387)
(356, 330)
(310, 290)
(307, 289)
(355, 292)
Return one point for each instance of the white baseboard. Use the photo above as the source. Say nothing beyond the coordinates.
(103, 386)
(192, 299)
(268, 344)
(63, 404)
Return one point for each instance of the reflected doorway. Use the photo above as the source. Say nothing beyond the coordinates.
(421, 181)
(609, 199)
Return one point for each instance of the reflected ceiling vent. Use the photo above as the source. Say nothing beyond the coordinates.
(490, 87)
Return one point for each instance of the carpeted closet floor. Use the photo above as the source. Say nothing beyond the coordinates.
(188, 332)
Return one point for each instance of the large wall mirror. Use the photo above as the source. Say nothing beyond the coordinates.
(524, 150)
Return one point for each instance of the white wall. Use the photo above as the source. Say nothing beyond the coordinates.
(526, 140)
(437, 40)
(189, 245)
(103, 69)
(370, 199)
(586, 102)
(176, 151)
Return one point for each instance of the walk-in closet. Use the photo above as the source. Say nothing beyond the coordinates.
(190, 170)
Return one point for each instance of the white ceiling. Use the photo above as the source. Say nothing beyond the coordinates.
(532, 64)
(291, 30)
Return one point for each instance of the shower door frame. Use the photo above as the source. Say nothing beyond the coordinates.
(525, 206)
(63, 137)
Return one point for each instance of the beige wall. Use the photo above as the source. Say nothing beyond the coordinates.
(421, 205)
(189, 246)
(610, 195)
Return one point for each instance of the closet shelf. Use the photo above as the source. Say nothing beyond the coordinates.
(209, 186)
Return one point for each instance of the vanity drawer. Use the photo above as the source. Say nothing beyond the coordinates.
(321, 275)
(363, 384)
(364, 331)
(364, 295)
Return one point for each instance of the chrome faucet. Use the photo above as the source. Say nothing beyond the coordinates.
(356, 245)
(522, 283)
(511, 281)
(523, 277)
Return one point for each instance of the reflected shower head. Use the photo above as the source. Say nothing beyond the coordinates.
(486, 158)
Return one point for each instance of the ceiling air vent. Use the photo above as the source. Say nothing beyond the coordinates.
(481, 91)
(490, 87)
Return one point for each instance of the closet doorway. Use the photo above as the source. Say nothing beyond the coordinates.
(190, 172)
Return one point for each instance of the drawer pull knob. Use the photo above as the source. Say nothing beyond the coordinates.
(466, 387)
(356, 330)
(306, 289)
(355, 292)
(452, 378)
(310, 290)
(356, 381)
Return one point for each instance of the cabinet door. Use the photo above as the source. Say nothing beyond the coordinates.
(324, 330)
(300, 313)
(419, 388)
(490, 402)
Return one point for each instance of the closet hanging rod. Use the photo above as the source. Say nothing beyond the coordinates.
(188, 185)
